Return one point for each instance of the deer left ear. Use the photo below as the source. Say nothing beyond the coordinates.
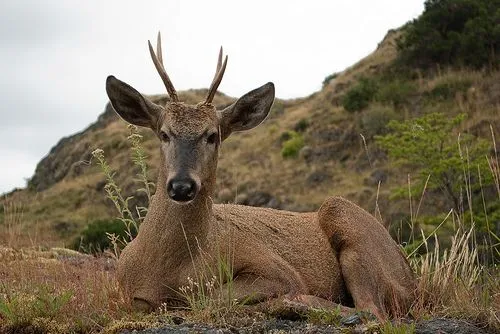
(248, 111)
(130, 104)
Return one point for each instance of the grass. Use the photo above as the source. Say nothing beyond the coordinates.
(57, 291)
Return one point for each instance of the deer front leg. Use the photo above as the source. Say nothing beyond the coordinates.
(263, 276)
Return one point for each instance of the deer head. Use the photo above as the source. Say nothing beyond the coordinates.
(190, 135)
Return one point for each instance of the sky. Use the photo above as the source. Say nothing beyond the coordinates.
(55, 56)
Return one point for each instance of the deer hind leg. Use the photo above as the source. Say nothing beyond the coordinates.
(374, 268)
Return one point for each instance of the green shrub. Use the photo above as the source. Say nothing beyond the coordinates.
(374, 120)
(448, 89)
(95, 237)
(428, 146)
(358, 97)
(453, 32)
(329, 78)
(396, 92)
(301, 125)
(291, 147)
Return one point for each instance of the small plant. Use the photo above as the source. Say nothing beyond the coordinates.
(329, 78)
(114, 193)
(358, 97)
(325, 317)
(390, 328)
(18, 309)
(211, 289)
(291, 147)
(301, 125)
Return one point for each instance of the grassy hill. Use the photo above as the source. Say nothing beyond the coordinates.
(415, 145)
(330, 151)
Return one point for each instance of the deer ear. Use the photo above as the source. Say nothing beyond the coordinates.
(130, 104)
(248, 111)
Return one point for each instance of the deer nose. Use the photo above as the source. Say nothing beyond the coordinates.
(183, 190)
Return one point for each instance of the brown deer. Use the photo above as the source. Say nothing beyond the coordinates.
(340, 254)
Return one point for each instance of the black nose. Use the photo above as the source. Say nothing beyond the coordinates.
(183, 190)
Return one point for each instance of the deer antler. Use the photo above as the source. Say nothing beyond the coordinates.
(219, 73)
(158, 61)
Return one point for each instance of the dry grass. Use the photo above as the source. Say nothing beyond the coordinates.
(452, 283)
(57, 289)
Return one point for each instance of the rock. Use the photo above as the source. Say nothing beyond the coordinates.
(241, 198)
(306, 153)
(447, 326)
(68, 154)
(317, 177)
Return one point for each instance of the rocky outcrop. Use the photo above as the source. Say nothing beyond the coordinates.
(67, 154)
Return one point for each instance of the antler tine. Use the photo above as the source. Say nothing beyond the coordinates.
(217, 78)
(158, 49)
(219, 63)
(158, 61)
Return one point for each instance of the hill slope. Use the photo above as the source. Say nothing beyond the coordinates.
(339, 156)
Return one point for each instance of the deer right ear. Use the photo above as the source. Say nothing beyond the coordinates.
(130, 104)
(248, 111)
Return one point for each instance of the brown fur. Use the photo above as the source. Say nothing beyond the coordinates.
(338, 253)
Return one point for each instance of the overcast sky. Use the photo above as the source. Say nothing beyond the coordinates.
(55, 56)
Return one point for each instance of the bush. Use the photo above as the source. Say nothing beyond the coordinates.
(329, 78)
(94, 238)
(301, 125)
(359, 96)
(454, 32)
(292, 146)
(448, 89)
(374, 120)
(396, 92)
(429, 145)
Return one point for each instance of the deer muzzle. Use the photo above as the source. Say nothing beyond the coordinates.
(182, 190)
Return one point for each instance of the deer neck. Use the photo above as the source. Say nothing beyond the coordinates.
(180, 228)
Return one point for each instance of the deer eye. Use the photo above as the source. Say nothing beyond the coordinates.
(164, 137)
(212, 138)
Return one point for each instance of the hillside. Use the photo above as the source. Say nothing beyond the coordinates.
(339, 156)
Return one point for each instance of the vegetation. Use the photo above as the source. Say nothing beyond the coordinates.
(359, 96)
(435, 120)
(430, 146)
(329, 78)
(454, 32)
(291, 147)
(98, 236)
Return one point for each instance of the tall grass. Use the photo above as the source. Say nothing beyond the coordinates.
(455, 282)
(13, 223)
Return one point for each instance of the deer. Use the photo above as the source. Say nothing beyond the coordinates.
(338, 255)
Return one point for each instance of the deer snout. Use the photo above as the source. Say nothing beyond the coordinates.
(182, 190)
